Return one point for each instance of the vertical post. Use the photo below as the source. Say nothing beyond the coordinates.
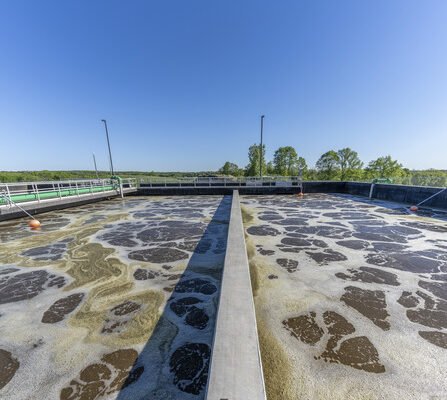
(260, 152)
(108, 144)
(37, 192)
(96, 169)
(371, 190)
(8, 194)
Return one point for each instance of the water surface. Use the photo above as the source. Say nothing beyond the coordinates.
(351, 297)
(114, 300)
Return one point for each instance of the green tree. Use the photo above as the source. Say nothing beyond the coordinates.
(328, 166)
(385, 167)
(252, 168)
(311, 174)
(230, 169)
(301, 167)
(349, 163)
(270, 168)
(285, 161)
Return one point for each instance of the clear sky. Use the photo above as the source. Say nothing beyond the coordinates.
(183, 83)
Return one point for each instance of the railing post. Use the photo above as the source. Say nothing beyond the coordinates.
(77, 189)
(9, 194)
(371, 190)
(37, 192)
(6, 195)
(59, 190)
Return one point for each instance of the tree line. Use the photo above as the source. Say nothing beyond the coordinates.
(343, 164)
(46, 175)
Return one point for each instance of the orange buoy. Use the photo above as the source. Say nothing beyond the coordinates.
(300, 194)
(414, 208)
(34, 224)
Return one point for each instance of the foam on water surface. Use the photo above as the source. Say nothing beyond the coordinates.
(114, 300)
(351, 297)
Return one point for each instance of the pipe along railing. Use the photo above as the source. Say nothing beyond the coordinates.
(24, 192)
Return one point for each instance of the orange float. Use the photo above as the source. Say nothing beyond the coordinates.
(414, 208)
(34, 224)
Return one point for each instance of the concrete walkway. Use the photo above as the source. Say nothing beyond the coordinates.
(236, 369)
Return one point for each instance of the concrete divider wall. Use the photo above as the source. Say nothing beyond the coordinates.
(236, 368)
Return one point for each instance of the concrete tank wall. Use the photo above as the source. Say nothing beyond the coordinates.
(323, 187)
(358, 188)
(397, 193)
(410, 195)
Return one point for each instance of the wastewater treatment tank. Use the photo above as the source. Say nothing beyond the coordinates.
(112, 300)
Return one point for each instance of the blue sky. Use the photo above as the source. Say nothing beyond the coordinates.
(183, 83)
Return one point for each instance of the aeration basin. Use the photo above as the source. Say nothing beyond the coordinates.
(328, 296)
(113, 300)
(350, 296)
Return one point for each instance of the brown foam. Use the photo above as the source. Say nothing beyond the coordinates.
(8, 367)
(370, 303)
(100, 379)
(304, 328)
(370, 275)
(437, 338)
(61, 308)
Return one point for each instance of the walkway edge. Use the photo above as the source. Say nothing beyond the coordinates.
(236, 368)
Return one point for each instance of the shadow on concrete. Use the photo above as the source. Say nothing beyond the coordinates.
(174, 362)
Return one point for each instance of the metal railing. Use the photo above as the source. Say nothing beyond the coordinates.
(281, 181)
(24, 192)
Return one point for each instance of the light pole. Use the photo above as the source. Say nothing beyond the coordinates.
(260, 153)
(108, 144)
(96, 169)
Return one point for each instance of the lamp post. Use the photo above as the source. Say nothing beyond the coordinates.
(108, 144)
(96, 169)
(260, 153)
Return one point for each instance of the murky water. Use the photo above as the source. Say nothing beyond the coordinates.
(112, 300)
(351, 298)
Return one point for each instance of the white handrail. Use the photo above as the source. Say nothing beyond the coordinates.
(38, 190)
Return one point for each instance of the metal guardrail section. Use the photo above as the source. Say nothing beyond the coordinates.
(26, 192)
(235, 182)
